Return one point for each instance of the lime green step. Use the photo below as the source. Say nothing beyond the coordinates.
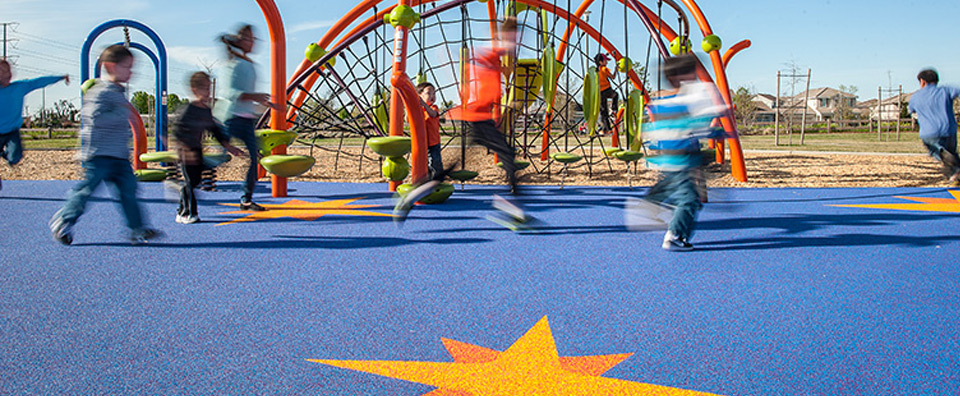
(150, 175)
(628, 156)
(521, 165)
(438, 195)
(160, 156)
(565, 158)
(287, 165)
(390, 146)
(463, 175)
(272, 138)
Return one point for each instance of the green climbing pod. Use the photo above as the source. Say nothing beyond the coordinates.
(380, 112)
(711, 43)
(548, 66)
(395, 168)
(680, 45)
(634, 119)
(624, 65)
(403, 15)
(287, 165)
(591, 99)
(272, 138)
(390, 146)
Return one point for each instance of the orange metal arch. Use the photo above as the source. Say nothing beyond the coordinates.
(278, 92)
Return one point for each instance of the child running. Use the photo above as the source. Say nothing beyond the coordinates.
(933, 105)
(238, 111)
(11, 110)
(478, 112)
(105, 117)
(681, 120)
(188, 131)
(431, 117)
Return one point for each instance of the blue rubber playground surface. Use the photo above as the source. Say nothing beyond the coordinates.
(786, 294)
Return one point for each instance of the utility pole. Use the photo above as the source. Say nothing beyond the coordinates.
(5, 40)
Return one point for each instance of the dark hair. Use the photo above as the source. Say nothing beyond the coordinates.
(199, 79)
(115, 54)
(929, 75)
(233, 40)
(423, 87)
(680, 65)
(601, 59)
(509, 25)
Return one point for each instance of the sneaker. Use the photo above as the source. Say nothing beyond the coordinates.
(510, 208)
(251, 207)
(405, 202)
(62, 231)
(675, 243)
(143, 235)
(190, 219)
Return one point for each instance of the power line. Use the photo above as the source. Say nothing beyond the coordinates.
(47, 41)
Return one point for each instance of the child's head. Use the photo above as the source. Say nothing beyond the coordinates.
(928, 76)
(680, 68)
(241, 42)
(118, 61)
(508, 34)
(601, 59)
(5, 73)
(200, 85)
(427, 92)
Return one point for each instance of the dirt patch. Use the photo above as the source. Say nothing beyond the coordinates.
(764, 169)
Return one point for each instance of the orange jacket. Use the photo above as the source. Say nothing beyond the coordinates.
(604, 75)
(482, 93)
(432, 124)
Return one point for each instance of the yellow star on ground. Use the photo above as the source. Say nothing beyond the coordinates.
(531, 366)
(304, 210)
(927, 205)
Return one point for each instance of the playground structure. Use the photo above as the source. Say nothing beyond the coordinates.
(361, 87)
(357, 83)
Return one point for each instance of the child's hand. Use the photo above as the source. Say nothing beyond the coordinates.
(66, 79)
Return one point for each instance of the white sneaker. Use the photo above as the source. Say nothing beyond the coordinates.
(675, 243)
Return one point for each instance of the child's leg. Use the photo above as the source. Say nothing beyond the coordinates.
(687, 205)
(192, 176)
(604, 114)
(95, 171)
(126, 183)
(11, 148)
(487, 135)
(435, 162)
(243, 129)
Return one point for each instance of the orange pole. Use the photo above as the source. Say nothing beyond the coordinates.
(278, 92)
(616, 129)
(737, 163)
(418, 131)
(734, 50)
(139, 140)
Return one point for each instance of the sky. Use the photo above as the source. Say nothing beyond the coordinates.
(864, 44)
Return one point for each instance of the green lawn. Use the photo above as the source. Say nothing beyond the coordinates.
(846, 142)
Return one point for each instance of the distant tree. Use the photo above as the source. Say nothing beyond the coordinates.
(142, 101)
(174, 103)
(745, 108)
(61, 115)
(844, 110)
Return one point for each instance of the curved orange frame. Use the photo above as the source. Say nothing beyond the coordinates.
(278, 91)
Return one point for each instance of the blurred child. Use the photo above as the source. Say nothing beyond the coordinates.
(238, 110)
(478, 111)
(431, 117)
(188, 131)
(606, 92)
(105, 117)
(681, 120)
(11, 110)
(933, 105)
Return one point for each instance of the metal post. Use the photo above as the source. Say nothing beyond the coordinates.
(776, 114)
(879, 111)
(803, 116)
(899, 108)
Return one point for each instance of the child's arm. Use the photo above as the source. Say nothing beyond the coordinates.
(40, 82)
(224, 140)
(430, 111)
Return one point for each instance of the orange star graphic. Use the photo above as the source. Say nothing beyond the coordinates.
(304, 210)
(927, 205)
(531, 366)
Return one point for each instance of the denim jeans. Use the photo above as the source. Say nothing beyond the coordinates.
(434, 161)
(192, 176)
(486, 134)
(115, 171)
(679, 189)
(243, 129)
(11, 149)
(944, 149)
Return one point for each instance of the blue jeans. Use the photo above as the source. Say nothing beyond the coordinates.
(944, 149)
(11, 149)
(243, 129)
(434, 161)
(679, 189)
(115, 171)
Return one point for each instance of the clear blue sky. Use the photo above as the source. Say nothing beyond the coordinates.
(860, 43)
